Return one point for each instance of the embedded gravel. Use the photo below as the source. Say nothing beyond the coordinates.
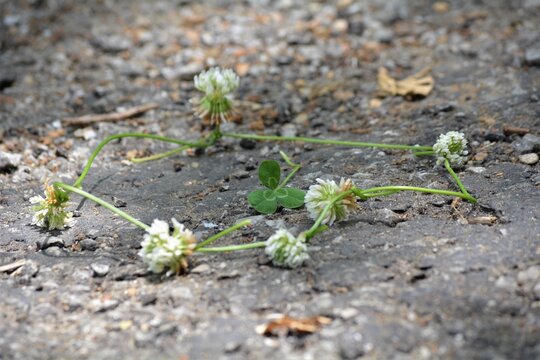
(409, 276)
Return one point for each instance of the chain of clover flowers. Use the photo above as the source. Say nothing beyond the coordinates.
(216, 134)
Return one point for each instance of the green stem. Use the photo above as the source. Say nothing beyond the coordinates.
(295, 168)
(313, 229)
(255, 245)
(161, 155)
(328, 142)
(103, 203)
(423, 153)
(126, 135)
(375, 190)
(454, 175)
(381, 193)
(229, 230)
(205, 142)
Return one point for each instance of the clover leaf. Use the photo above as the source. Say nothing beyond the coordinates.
(266, 201)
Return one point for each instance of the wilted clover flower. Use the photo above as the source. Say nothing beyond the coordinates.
(287, 250)
(451, 146)
(50, 212)
(162, 250)
(321, 194)
(217, 85)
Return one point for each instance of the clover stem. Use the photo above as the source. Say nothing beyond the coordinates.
(295, 168)
(161, 155)
(255, 245)
(103, 203)
(376, 190)
(424, 153)
(201, 143)
(381, 193)
(314, 228)
(327, 142)
(229, 230)
(454, 175)
(108, 139)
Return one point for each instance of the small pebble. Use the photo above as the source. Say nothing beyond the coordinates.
(232, 346)
(52, 241)
(536, 291)
(102, 305)
(532, 56)
(9, 162)
(247, 144)
(529, 159)
(54, 251)
(118, 202)
(89, 244)
(200, 269)
(476, 169)
(148, 299)
(100, 270)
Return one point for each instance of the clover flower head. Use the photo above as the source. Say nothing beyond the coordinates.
(218, 85)
(162, 249)
(287, 250)
(321, 195)
(451, 146)
(50, 211)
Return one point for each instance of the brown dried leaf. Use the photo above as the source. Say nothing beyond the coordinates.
(420, 83)
(286, 324)
(483, 220)
(242, 69)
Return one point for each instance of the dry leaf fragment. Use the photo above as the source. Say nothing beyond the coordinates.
(483, 220)
(286, 324)
(12, 266)
(420, 83)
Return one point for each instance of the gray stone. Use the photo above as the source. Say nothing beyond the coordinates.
(100, 270)
(54, 251)
(89, 244)
(182, 72)
(507, 283)
(9, 162)
(532, 274)
(112, 43)
(388, 217)
(529, 159)
(102, 305)
(536, 291)
(232, 346)
(26, 272)
(52, 241)
(73, 302)
(200, 269)
(148, 299)
(531, 4)
(288, 130)
(532, 56)
(528, 144)
(351, 346)
(7, 79)
(384, 35)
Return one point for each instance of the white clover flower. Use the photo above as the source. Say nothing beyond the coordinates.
(451, 146)
(50, 211)
(217, 85)
(287, 250)
(321, 194)
(162, 250)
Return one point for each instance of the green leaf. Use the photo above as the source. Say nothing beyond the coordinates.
(264, 201)
(292, 198)
(269, 173)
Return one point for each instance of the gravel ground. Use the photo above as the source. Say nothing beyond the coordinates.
(409, 276)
